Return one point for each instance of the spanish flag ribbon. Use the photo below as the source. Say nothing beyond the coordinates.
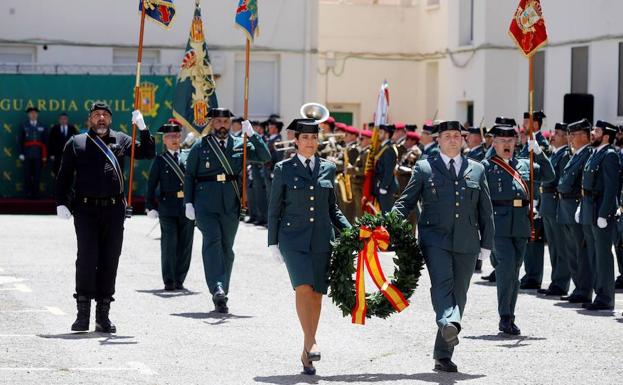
(373, 241)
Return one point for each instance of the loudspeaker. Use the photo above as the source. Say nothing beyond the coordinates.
(578, 107)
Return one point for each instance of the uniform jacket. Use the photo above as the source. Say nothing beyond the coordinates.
(57, 140)
(303, 208)
(477, 154)
(540, 139)
(570, 184)
(164, 184)
(384, 169)
(456, 211)
(601, 177)
(213, 196)
(94, 176)
(30, 133)
(431, 152)
(549, 200)
(514, 221)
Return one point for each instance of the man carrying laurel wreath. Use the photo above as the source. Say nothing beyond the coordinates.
(455, 228)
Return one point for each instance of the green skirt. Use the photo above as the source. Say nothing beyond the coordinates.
(307, 268)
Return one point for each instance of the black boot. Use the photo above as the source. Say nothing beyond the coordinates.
(84, 314)
(102, 323)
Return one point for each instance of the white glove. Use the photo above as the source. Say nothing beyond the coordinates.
(577, 215)
(247, 128)
(382, 191)
(602, 223)
(190, 139)
(533, 145)
(190, 211)
(276, 253)
(137, 118)
(484, 254)
(52, 158)
(153, 214)
(63, 212)
(22, 157)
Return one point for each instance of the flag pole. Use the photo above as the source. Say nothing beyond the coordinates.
(245, 116)
(137, 105)
(531, 136)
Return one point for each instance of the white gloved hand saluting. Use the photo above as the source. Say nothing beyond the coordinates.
(63, 212)
(577, 215)
(153, 214)
(602, 223)
(190, 211)
(382, 191)
(276, 253)
(533, 145)
(484, 254)
(247, 128)
(137, 118)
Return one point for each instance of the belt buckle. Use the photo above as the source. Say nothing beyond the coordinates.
(221, 178)
(180, 194)
(541, 189)
(517, 203)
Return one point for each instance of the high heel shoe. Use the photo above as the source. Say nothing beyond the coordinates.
(309, 370)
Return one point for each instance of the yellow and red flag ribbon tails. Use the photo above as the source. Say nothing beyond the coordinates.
(162, 12)
(373, 241)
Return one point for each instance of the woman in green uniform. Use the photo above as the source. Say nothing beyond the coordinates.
(301, 212)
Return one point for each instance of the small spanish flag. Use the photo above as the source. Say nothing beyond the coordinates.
(162, 12)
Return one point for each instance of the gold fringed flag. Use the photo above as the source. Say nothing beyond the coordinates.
(527, 28)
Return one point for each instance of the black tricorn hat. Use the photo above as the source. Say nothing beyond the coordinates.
(32, 109)
(450, 125)
(561, 126)
(536, 115)
(500, 120)
(168, 128)
(99, 105)
(474, 130)
(304, 126)
(388, 128)
(580, 125)
(504, 131)
(608, 128)
(411, 127)
(220, 113)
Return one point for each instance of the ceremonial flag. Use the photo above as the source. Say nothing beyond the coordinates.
(527, 28)
(195, 89)
(380, 117)
(162, 12)
(247, 18)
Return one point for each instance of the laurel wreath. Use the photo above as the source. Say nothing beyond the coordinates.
(408, 264)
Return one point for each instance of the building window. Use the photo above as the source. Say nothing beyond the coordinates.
(539, 81)
(17, 55)
(124, 60)
(579, 70)
(620, 109)
(466, 22)
(263, 88)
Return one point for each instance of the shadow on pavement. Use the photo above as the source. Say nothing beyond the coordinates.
(515, 341)
(169, 294)
(105, 339)
(485, 283)
(568, 305)
(435, 378)
(598, 313)
(213, 317)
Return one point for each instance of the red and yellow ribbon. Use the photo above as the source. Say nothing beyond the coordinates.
(373, 241)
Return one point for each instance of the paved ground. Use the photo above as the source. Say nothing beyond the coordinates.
(177, 339)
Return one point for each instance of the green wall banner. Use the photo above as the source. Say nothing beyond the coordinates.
(74, 94)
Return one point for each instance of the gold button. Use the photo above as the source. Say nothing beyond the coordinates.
(288, 224)
(457, 193)
(456, 183)
(311, 198)
(311, 209)
(295, 187)
(457, 215)
(457, 203)
(311, 219)
(311, 187)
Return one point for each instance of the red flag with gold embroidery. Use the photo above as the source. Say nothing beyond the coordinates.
(528, 27)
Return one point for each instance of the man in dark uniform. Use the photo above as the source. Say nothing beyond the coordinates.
(212, 189)
(570, 194)
(93, 165)
(358, 171)
(167, 175)
(428, 142)
(399, 137)
(537, 121)
(258, 182)
(455, 229)
(475, 147)
(274, 135)
(346, 158)
(508, 179)
(600, 194)
(385, 185)
(548, 210)
(59, 135)
(33, 151)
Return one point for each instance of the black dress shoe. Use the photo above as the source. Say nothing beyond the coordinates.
(490, 277)
(478, 267)
(84, 313)
(102, 322)
(597, 306)
(552, 291)
(223, 309)
(445, 365)
(170, 286)
(450, 334)
(530, 286)
(179, 286)
(575, 299)
(507, 326)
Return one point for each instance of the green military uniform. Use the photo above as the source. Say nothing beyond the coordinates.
(510, 198)
(385, 185)
(548, 209)
(212, 185)
(176, 243)
(302, 209)
(599, 203)
(455, 224)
